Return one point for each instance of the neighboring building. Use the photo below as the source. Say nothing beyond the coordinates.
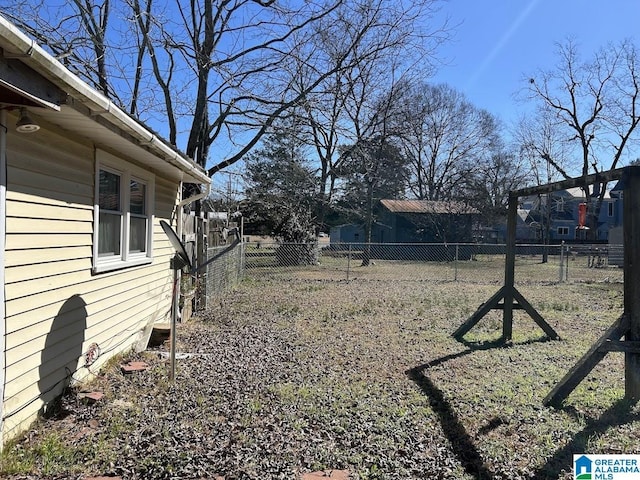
(85, 264)
(350, 233)
(414, 221)
(563, 208)
(616, 232)
(427, 221)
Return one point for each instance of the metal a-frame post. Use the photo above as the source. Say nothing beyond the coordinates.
(510, 296)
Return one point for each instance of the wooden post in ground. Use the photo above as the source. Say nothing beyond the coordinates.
(511, 298)
(631, 223)
(509, 269)
(628, 325)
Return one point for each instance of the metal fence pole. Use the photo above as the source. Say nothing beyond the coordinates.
(562, 273)
(348, 261)
(455, 264)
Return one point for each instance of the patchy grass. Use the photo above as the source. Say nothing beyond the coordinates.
(304, 375)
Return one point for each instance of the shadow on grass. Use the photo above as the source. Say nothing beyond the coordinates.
(500, 343)
(463, 446)
(461, 443)
(478, 346)
(618, 414)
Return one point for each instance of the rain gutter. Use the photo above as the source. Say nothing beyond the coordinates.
(34, 56)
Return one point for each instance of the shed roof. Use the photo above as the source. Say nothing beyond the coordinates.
(428, 207)
(78, 108)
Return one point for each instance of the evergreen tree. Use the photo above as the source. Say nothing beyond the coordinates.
(280, 191)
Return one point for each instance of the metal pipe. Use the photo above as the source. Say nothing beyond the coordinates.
(174, 320)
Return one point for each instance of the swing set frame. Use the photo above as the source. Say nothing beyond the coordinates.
(508, 298)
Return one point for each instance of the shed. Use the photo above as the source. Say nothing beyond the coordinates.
(427, 221)
(83, 259)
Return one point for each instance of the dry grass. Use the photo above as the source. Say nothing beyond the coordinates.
(300, 375)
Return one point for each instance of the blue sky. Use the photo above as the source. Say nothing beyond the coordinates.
(498, 43)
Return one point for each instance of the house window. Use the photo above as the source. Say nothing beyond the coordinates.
(563, 230)
(559, 204)
(610, 207)
(123, 217)
(109, 214)
(139, 220)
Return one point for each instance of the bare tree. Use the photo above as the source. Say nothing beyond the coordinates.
(76, 32)
(537, 137)
(213, 76)
(334, 113)
(488, 188)
(445, 137)
(596, 107)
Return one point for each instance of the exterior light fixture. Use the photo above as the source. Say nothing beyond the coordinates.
(26, 124)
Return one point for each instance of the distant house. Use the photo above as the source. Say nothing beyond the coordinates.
(414, 221)
(84, 261)
(563, 209)
(616, 232)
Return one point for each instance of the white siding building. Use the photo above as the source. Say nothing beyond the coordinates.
(84, 262)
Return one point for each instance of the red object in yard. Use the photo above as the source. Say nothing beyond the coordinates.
(134, 367)
(582, 215)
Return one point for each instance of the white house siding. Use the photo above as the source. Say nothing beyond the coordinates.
(55, 307)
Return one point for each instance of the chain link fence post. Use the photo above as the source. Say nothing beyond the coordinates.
(455, 264)
(562, 272)
(348, 261)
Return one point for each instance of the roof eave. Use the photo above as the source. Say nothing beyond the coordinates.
(113, 125)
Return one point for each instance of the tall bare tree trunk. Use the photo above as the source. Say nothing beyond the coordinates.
(368, 226)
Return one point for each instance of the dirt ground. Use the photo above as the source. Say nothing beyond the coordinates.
(282, 378)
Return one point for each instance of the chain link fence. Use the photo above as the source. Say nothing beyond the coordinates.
(463, 262)
(222, 273)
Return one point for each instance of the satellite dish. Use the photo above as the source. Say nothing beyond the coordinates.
(176, 244)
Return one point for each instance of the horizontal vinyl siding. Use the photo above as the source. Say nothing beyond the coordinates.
(30, 241)
(55, 306)
(101, 286)
(59, 187)
(102, 311)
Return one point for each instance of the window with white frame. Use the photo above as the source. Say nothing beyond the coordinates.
(563, 231)
(559, 204)
(123, 215)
